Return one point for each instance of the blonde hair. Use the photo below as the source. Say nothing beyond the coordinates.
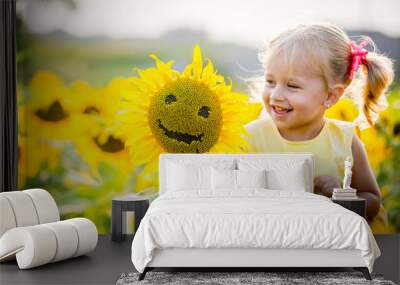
(325, 50)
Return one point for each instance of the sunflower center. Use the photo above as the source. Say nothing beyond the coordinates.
(91, 110)
(185, 116)
(111, 145)
(53, 114)
(396, 129)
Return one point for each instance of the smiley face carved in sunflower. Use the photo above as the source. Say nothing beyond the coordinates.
(185, 116)
(193, 111)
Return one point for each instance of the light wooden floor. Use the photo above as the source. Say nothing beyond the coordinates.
(110, 260)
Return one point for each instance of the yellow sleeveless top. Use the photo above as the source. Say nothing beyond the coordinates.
(329, 148)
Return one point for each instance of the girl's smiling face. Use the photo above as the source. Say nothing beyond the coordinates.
(293, 98)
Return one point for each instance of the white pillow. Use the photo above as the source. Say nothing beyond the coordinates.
(203, 161)
(295, 180)
(282, 174)
(181, 177)
(180, 172)
(223, 179)
(229, 179)
(251, 178)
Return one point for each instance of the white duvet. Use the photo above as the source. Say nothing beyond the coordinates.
(250, 218)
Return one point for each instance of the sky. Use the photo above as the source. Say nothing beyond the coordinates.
(249, 22)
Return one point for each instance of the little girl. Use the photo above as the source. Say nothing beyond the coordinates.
(307, 70)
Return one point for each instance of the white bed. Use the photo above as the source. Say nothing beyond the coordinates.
(280, 225)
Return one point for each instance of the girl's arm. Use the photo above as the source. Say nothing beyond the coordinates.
(363, 179)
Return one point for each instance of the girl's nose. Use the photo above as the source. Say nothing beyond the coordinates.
(276, 94)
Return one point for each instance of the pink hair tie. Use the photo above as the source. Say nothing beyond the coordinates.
(359, 56)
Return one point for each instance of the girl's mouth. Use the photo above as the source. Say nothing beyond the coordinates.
(280, 111)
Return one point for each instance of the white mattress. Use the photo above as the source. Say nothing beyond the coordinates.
(253, 218)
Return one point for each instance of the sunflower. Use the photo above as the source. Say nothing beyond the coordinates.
(33, 152)
(195, 111)
(111, 152)
(345, 109)
(48, 109)
(97, 108)
(376, 147)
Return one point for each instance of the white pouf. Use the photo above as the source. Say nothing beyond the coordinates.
(31, 232)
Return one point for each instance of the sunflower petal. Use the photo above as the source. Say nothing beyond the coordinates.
(152, 165)
(197, 62)
(208, 73)
(164, 68)
(188, 71)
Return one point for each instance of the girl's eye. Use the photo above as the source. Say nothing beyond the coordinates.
(293, 86)
(269, 82)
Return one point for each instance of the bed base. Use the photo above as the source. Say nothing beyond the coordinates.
(363, 270)
(244, 259)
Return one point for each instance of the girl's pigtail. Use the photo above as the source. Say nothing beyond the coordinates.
(379, 75)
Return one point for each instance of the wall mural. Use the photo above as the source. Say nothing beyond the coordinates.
(90, 128)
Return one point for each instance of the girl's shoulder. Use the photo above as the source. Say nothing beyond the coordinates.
(344, 126)
(341, 131)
